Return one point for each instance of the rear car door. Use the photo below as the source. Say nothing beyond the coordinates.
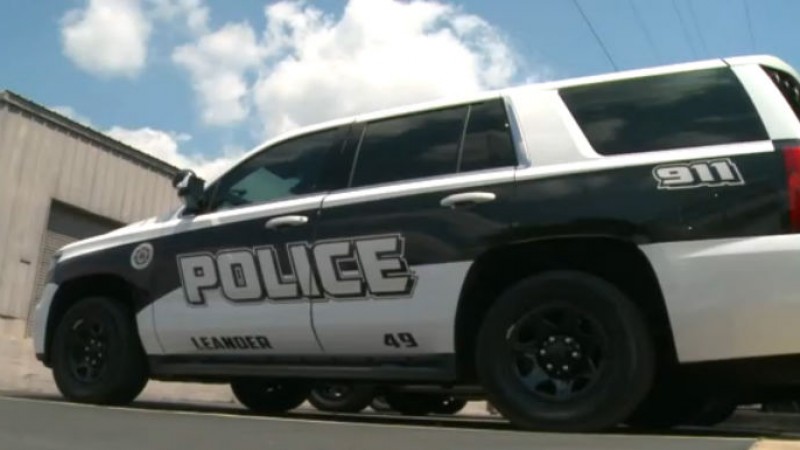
(428, 193)
(243, 265)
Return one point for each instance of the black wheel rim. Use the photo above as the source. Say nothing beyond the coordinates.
(88, 349)
(448, 402)
(558, 352)
(333, 392)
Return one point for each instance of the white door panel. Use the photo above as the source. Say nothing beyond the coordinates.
(359, 326)
(228, 264)
(284, 324)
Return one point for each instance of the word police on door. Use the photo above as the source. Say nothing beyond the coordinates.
(359, 267)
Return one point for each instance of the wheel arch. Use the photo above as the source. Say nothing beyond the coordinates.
(70, 291)
(614, 259)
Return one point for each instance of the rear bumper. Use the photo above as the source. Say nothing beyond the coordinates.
(731, 298)
(40, 318)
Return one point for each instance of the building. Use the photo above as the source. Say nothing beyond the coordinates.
(61, 181)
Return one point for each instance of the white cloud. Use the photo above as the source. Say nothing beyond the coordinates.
(308, 66)
(165, 146)
(70, 113)
(217, 63)
(380, 53)
(107, 37)
(193, 13)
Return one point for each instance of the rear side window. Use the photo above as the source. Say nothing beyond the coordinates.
(690, 109)
(487, 141)
(414, 146)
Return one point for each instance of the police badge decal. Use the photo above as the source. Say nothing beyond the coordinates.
(142, 256)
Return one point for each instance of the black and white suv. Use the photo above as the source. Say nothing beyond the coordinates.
(613, 249)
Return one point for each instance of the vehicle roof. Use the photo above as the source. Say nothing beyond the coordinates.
(766, 60)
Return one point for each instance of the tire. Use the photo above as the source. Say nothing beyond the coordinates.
(674, 402)
(269, 396)
(449, 405)
(97, 356)
(341, 397)
(412, 404)
(598, 360)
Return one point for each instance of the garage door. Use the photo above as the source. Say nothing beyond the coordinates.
(65, 225)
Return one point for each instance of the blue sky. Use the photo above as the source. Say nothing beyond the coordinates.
(150, 73)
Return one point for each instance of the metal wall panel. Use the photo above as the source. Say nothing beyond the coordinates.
(64, 226)
(40, 163)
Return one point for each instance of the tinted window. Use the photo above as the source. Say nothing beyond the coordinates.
(414, 146)
(287, 169)
(689, 109)
(487, 143)
(788, 87)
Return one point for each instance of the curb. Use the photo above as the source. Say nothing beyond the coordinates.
(771, 444)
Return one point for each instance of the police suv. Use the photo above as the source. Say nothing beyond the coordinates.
(584, 253)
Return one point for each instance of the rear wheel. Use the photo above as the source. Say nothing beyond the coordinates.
(96, 353)
(341, 397)
(269, 396)
(565, 351)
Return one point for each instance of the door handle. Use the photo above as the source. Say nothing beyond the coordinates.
(286, 221)
(467, 198)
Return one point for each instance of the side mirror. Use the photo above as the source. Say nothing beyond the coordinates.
(190, 190)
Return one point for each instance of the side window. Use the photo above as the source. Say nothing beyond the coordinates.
(487, 142)
(690, 109)
(286, 169)
(414, 146)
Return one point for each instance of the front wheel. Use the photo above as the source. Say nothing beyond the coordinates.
(269, 396)
(96, 353)
(565, 351)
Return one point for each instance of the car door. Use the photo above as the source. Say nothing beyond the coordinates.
(243, 264)
(428, 193)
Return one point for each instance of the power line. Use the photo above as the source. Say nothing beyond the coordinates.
(596, 36)
(685, 30)
(749, 24)
(697, 27)
(645, 30)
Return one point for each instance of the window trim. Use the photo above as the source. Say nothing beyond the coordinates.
(464, 126)
(356, 154)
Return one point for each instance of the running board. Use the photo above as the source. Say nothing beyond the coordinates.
(423, 369)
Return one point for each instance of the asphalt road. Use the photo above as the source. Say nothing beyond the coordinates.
(41, 424)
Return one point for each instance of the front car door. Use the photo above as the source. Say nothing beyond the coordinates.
(243, 264)
(429, 192)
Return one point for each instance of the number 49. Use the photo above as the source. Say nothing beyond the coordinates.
(398, 340)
